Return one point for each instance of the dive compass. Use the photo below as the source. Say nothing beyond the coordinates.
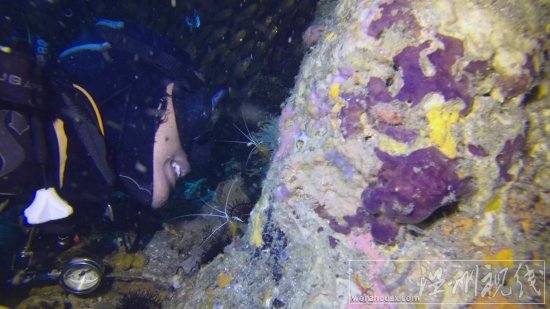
(81, 276)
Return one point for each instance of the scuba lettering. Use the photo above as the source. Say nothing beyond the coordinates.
(15, 80)
(42, 51)
(18, 78)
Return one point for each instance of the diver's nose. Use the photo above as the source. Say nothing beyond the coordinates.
(179, 164)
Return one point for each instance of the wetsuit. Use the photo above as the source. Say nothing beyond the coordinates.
(31, 149)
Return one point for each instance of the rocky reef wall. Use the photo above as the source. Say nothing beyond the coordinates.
(417, 130)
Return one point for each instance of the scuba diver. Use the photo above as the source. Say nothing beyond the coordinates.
(118, 113)
(154, 103)
(39, 116)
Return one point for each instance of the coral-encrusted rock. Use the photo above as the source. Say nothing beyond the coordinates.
(404, 105)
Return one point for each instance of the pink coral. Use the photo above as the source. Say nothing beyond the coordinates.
(364, 243)
(320, 104)
(387, 113)
(287, 135)
(282, 193)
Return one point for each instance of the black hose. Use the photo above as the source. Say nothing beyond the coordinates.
(40, 149)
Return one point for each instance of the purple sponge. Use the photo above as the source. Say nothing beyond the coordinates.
(392, 13)
(417, 85)
(506, 158)
(409, 189)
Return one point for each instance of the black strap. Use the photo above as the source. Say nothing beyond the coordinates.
(40, 148)
(176, 67)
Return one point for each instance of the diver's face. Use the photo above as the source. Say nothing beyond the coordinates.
(169, 158)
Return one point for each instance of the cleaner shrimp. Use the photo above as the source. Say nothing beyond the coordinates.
(216, 213)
